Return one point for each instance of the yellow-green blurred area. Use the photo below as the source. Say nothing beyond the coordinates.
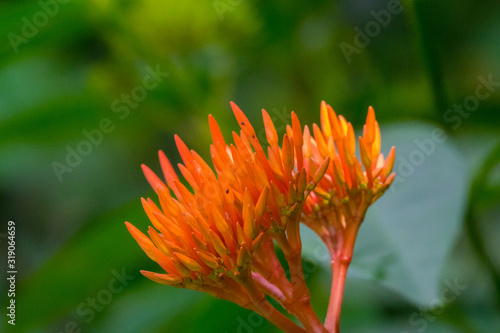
(89, 90)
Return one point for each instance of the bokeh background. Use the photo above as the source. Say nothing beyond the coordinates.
(427, 258)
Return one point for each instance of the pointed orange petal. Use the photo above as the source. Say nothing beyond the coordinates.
(321, 171)
(241, 150)
(189, 177)
(202, 164)
(260, 207)
(220, 222)
(152, 178)
(320, 141)
(261, 179)
(390, 179)
(325, 120)
(190, 222)
(351, 139)
(243, 257)
(169, 265)
(348, 156)
(307, 148)
(389, 162)
(144, 242)
(202, 226)
(376, 143)
(289, 131)
(243, 121)
(369, 130)
(216, 160)
(297, 140)
(186, 197)
(167, 205)
(334, 123)
(217, 137)
(379, 161)
(153, 206)
(332, 151)
(150, 213)
(360, 176)
(168, 171)
(291, 193)
(190, 263)
(167, 279)
(272, 136)
(343, 124)
(217, 243)
(275, 163)
(199, 241)
(183, 270)
(209, 259)
(263, 163)
(184, 152)
(240, 235)
(302, 182)
(287, 157)
(158, 241)
(366, 158)
(244, 140)
(172, 227)
(322, 193)
(258, 240)
(277, 196)
(338, 172)
(249, 221)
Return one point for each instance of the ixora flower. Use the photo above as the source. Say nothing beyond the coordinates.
(340, 200)
(220, 238)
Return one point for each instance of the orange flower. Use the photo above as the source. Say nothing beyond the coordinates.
(218, 238)
(347, 190)
(336, 208)
(245, 166)
(201, 240)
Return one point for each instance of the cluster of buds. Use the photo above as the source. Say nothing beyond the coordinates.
(220, 237)
(346, 191)
(340, 200)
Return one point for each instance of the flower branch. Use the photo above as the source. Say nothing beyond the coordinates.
(219, 238)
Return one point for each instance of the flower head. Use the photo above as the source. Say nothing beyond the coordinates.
(350, 185)
(200, 239)
(218, 236)
(206, 239)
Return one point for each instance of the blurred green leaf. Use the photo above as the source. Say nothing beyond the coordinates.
(150, 307)
(84, 266)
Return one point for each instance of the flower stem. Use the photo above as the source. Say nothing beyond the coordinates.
(340, 261)
(277, 318)
(300, 304)
(339, 271)
(265, 309)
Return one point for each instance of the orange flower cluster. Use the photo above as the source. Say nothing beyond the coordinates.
(346, 191)
(205, 240)
(220, 237)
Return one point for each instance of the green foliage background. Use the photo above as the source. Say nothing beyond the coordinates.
(439, 225)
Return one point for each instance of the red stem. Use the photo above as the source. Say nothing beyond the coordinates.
(277, 318)
(265, 309)
(300, 304)
(269, 288)
(340, 260)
